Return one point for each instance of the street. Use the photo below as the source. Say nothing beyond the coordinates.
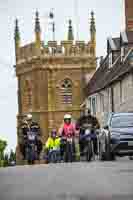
(76, 181)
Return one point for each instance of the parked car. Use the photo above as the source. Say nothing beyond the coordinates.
(116, 138)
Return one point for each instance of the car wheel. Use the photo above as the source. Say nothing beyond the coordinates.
(130, 157)
(108, 154)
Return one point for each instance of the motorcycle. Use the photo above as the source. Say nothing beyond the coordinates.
(87, 136)
(31, 148)
(54, 155)
(68, 145)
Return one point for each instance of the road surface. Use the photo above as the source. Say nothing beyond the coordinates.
(77, 181)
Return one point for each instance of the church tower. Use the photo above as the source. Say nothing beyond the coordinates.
(51, 77)
(129, 14)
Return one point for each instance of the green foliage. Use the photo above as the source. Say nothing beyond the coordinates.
(3, 145)
(6, 159)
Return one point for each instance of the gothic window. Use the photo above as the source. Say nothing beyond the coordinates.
(66, 91)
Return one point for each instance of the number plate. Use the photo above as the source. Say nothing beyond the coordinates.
(31, 137)
(130, 143)
(87, 132)
(69, 140)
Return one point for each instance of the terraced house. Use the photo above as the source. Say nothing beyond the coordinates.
(111, 87)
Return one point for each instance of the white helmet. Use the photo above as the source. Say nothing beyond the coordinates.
(29, 117)
(67, 116)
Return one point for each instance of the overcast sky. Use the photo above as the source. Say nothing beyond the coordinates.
(109, 21)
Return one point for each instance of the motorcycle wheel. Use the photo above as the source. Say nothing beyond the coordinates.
(109, 156)
(89, 152)
(53, 157)
(69, 152)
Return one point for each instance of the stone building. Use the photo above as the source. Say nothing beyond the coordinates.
(51, 77)
(111, 87)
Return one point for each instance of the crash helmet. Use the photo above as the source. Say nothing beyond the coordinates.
(53, 133)
(67, 116)
(29, 117)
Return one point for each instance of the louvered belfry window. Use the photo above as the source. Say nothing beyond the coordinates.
(66, 91)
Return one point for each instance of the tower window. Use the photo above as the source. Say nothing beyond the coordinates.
(66, 91)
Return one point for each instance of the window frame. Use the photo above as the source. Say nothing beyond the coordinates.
(66, 89)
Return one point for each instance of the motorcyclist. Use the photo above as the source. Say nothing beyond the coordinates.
(22, 138)
(67, 130)
(52, 144)
(68, 127)
(31, 134)
(87, 118)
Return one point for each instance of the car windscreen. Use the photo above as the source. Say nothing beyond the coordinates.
(122, 121)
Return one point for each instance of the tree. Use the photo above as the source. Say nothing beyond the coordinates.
(3, 145)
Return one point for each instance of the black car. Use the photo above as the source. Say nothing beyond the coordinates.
(116, 138)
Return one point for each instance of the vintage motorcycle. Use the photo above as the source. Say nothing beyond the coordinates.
(87, 136)
(31, 147)
(68, 148)
(54, 155)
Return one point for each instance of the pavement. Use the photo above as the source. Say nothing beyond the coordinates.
(77, 181)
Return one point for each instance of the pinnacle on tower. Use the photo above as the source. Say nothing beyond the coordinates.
(17, 34)
(70, 31)
(37, 30)
(93, 27)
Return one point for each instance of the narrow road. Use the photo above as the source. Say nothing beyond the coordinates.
(76, 181)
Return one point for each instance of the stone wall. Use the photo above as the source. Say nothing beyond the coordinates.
(123, 98)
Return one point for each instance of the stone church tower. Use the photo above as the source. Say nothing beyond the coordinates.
(51, 78)
(129, 14)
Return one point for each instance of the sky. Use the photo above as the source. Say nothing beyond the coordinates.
(109, 22)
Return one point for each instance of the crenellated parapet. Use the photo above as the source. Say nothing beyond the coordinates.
(64, 49)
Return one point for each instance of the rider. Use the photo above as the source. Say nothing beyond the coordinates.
(31, 134)
(68, 127)
(87, 118)
(53, 143)
(67, 130)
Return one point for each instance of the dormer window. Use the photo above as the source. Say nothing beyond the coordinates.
(122, 53)
(110, 59)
